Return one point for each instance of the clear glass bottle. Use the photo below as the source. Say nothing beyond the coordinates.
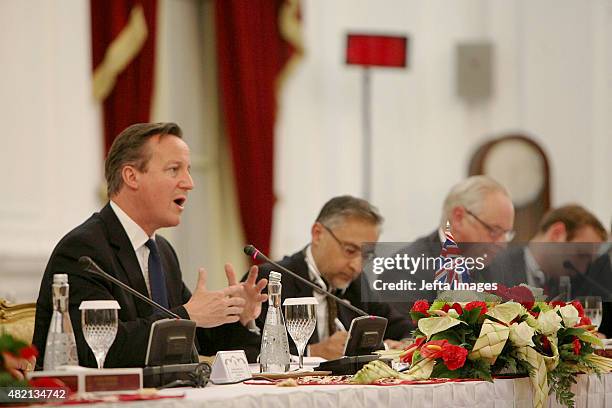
(274, 356)
(61, 347)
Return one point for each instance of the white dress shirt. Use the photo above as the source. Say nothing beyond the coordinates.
(535, 276)
(315, 276)
(138, 239)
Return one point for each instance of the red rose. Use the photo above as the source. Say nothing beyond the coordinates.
(578, 307)
(420, 306)
(407, 358)
(28, 352)
(585, 321)
(577, 346)
(445, 308)
(433, 349)
(457, 307)
(474, 305)
(558, 303)
(454, 356)
(502, 292)
(521, 294)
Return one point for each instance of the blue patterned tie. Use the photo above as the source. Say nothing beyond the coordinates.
(157, 279)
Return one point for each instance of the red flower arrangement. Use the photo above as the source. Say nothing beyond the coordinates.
(452, 356)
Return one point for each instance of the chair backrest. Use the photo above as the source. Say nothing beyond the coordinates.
(18, 319)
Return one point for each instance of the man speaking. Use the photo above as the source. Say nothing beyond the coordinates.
(148, 175)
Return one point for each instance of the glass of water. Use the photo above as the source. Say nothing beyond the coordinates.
(99, 323)
(301, 318)
(592, 308)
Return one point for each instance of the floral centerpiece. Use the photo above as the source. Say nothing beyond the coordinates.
(510, 333)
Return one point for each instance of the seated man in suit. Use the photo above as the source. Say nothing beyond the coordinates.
(598, 282)
(333, 261)
(147, 171)
(562, 246)
(480, 215)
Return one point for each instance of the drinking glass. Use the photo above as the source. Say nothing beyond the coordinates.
(99, 322)
(592, 308)
(301, 318)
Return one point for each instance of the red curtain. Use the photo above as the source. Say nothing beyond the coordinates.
(130, 99)
(251, 54)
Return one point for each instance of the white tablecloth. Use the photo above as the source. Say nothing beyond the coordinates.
(591, 391)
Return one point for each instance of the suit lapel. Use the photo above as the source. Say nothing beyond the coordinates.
(126, 257)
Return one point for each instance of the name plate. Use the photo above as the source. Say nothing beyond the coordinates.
(80, 379)
(230, 367)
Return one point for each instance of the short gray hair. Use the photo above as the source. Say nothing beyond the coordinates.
(470, 193)
(128, 149)
(340, 208)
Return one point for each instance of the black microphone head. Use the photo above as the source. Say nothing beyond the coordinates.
(255, 253)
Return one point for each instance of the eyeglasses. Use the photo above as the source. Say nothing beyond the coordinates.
(349, 250)
(494, 231)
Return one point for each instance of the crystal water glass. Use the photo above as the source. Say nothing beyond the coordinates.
(301, 320)
(592, 308)
(99, 323)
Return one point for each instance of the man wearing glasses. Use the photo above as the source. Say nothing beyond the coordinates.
(480, 215)
(333, 261)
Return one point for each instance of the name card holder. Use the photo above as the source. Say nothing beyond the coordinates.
(230, 367)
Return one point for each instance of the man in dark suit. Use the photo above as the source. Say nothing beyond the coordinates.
(480, 215)
(333, 261)
(147, 171)
(565, 245)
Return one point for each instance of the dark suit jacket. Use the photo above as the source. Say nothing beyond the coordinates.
(509, 267)
(397, 327)
(103, 238)
(428, 246)
(599, 283)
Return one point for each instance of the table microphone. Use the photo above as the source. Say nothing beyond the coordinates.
(254, 253)
(88, 264)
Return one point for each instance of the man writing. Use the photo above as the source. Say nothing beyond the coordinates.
(333, 261)
(147, 171)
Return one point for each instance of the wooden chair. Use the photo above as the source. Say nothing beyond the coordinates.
(18, 319)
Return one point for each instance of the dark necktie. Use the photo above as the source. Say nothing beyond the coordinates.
(157, 279)
(332, 314)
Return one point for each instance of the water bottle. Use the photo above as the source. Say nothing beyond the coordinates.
(565, 288)
(61, 348)
(274, 356)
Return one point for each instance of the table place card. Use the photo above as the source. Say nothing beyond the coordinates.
(230, 367)
(81, 379)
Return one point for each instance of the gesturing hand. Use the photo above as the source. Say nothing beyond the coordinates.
(251, 292)
(211, 308)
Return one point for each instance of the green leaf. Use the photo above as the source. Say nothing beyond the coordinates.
(471, 316)
(433, 325)
(506, 312)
